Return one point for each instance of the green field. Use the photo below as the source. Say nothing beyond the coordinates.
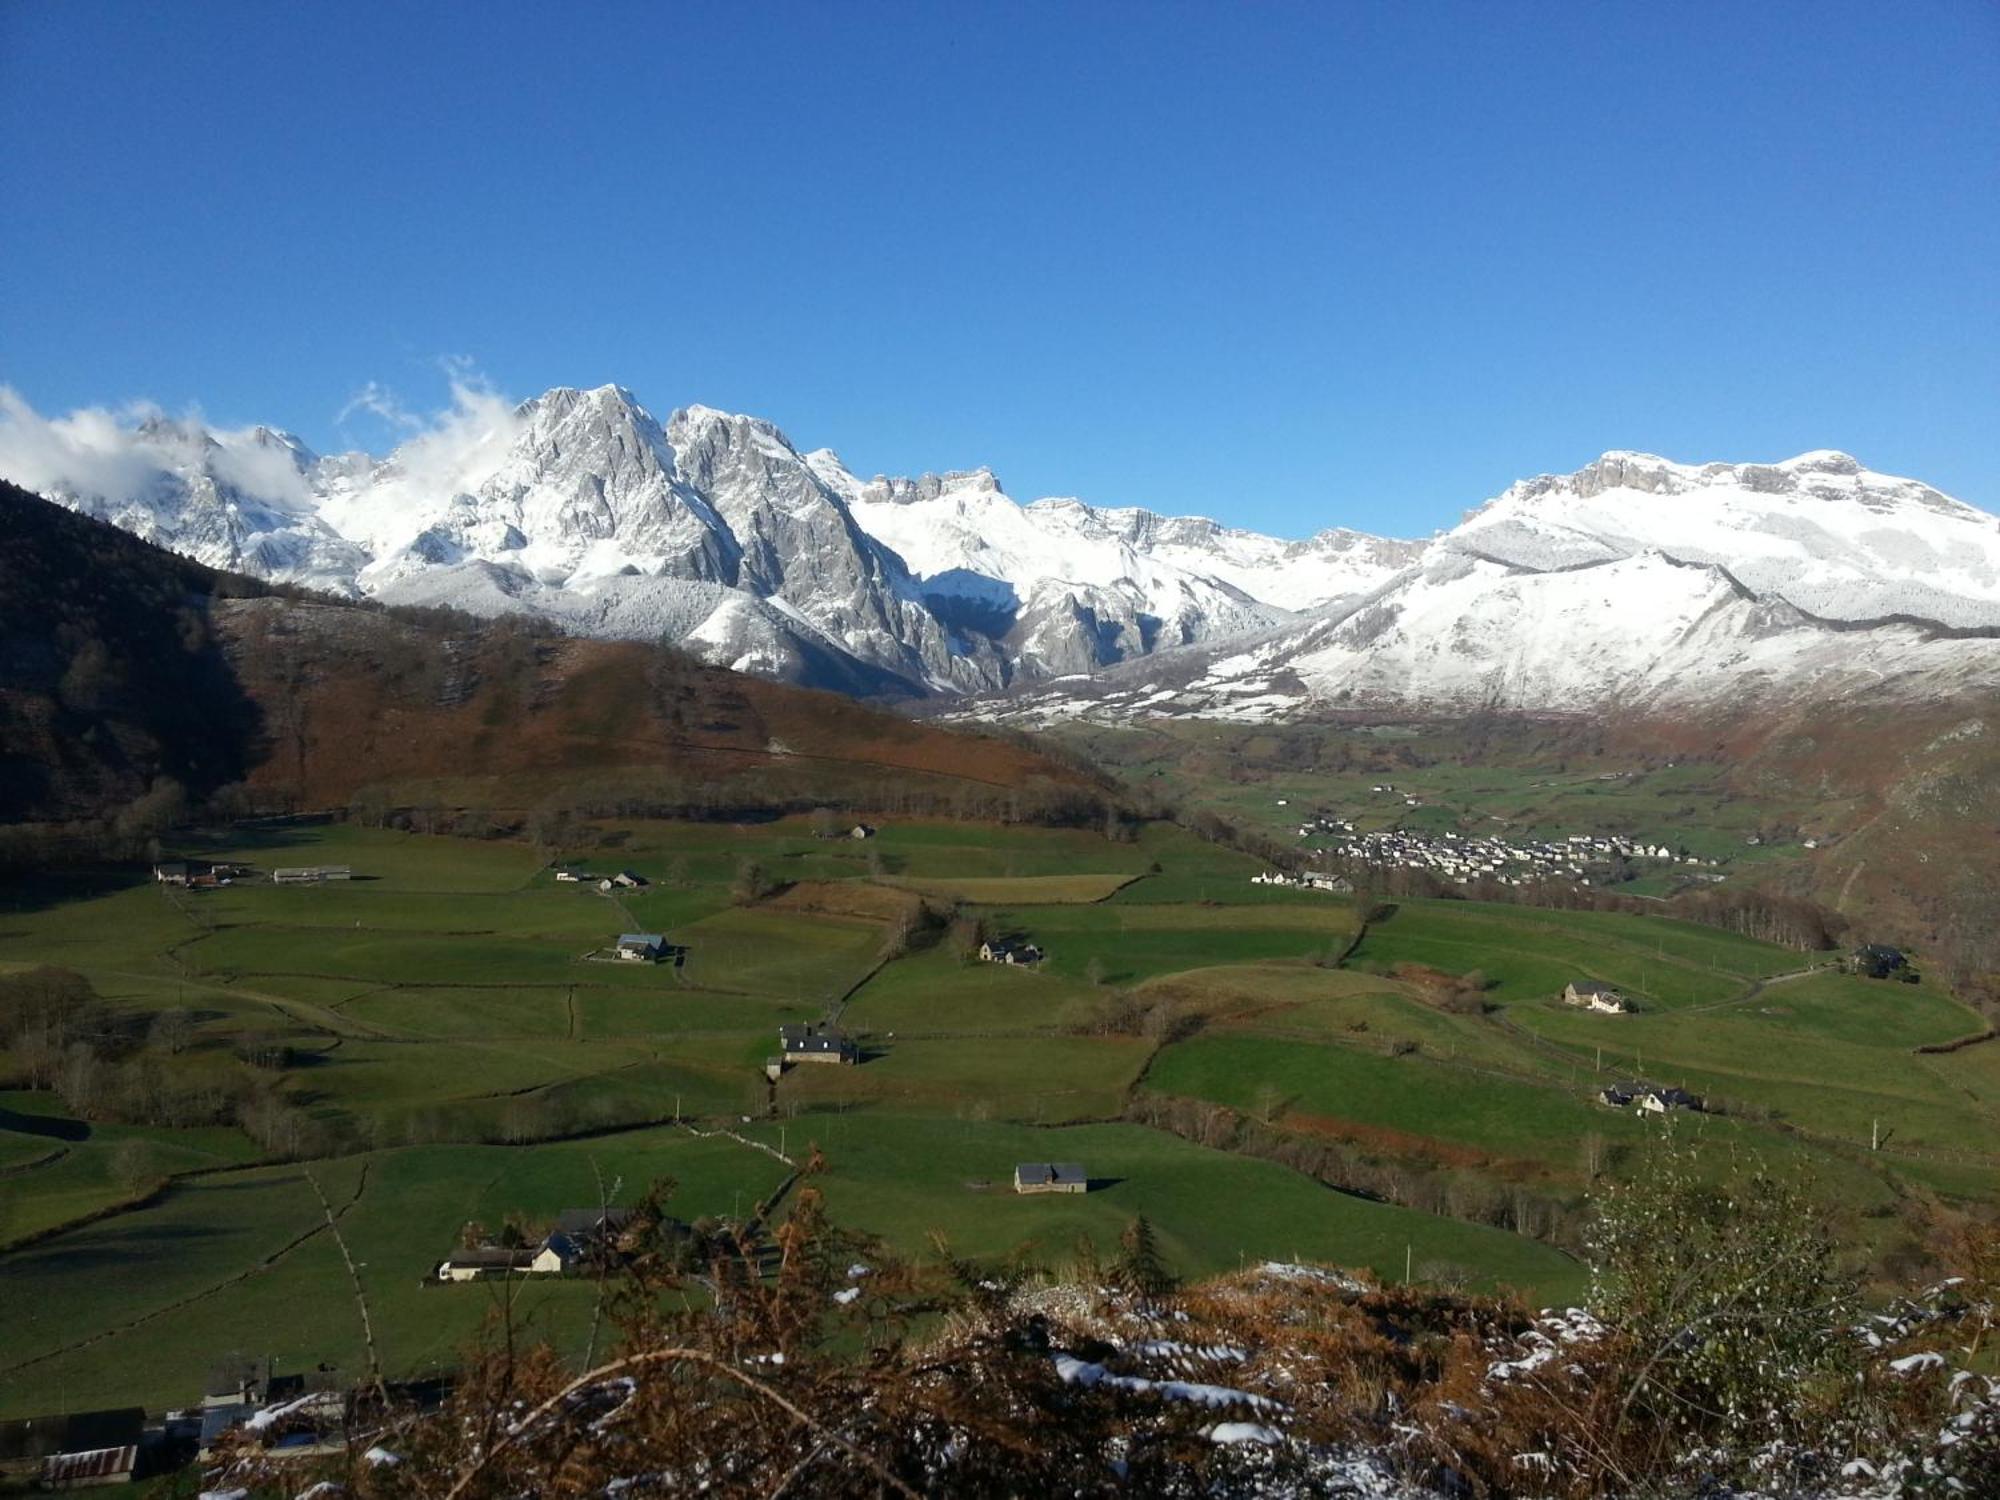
(1213, 1210)
(444, 1036)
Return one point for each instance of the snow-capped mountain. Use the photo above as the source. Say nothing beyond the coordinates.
(1634, 580)
(1066, 587)
(1640, 583)
(711, 529)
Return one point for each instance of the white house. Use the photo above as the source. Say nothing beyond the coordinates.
(1588, 994)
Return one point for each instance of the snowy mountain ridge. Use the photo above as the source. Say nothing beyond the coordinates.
(1634, 578)
(1635, 582)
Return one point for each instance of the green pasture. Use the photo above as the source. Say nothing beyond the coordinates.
(55, 1168)
(936, 991)
(779, 954)
(244, 1258)
(1136, 943)
(1042, 1080)
(1528, 954)
(1027, 889)
(1211, 1211)
(1371, 1097)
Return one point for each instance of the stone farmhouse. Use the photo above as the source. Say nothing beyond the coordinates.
(1050, 1177)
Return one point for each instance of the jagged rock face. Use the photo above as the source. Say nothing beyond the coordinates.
(243, 502)
(1633, 579)
(801, 544)
(593, 466)
(579, 506)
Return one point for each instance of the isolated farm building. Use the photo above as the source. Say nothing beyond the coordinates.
(1010, 951)
(1050, 1177)
(641, 947)
(488, 1260)
(1591, 995)
(311, 874)
(1878, 961)
(172, 872)
(76, 1448)
(861, 831)
(572, 877)
(813, 1041)
(628, 880)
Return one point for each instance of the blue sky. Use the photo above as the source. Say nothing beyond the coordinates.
(1287, 265)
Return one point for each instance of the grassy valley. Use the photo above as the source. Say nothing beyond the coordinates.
(1256, 1072)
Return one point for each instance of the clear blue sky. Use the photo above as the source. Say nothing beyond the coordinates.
(1286, 265)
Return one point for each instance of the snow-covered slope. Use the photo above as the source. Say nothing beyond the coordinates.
(1643, 583)
(579, 506)
(1633, 580)
(1069, 587)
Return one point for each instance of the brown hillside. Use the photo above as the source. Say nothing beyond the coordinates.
(133, 681)
(497, 716)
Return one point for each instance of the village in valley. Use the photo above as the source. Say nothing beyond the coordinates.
(1472, 858)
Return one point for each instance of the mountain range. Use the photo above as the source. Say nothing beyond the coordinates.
(1633, 581)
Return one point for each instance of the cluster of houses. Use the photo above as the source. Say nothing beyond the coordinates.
(1010, 951)
(624, 880)
(1308, 880)
(1648, 1099)
(197, 875)
(200, 875)
(579, 1236)
(1467, 858)
(292, 1416)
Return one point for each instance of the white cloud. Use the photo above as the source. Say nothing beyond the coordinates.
(95, 452)
(378, 400)
(449, 452)
(113, 459)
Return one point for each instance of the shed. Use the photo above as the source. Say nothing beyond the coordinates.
(1050, 1177)
(28, 1446)
(487, 1260)
(75, 1471)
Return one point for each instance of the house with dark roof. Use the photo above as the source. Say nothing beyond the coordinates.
(814, 1041)
(1649, 1099)
(641, 947)
(1050, 1177)
(1879, 961)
